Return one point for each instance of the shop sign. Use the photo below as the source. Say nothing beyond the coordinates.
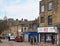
(47, 29)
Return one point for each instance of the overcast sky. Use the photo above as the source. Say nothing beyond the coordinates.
(27, 9)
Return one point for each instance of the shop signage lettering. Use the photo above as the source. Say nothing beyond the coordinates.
(47, 29)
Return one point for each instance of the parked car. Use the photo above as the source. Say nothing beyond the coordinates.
(1, 37)
(12, 38)
(19, 39)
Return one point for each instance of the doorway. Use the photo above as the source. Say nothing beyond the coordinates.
(33, 39)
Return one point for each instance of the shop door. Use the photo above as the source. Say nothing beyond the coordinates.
(42, 38)
(54, 39)
(33, 39)
(26, 38)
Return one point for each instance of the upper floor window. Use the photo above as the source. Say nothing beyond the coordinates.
(42, 8)
(50, 6)
(50, 20)
(42, 19)
(34, 26)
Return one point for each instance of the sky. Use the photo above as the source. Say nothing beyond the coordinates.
(18, 9)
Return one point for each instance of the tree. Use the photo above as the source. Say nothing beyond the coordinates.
(3, 26)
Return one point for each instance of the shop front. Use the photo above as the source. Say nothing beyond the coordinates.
(25, 36)
(48, 38)
(30, 35)
(48, 34)
(33, 35)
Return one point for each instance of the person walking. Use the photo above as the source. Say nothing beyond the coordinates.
(9, 38)
(31, 40)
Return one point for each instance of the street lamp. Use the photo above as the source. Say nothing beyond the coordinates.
(17, 30)
(17, 27)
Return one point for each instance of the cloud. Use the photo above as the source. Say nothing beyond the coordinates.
(28, 9)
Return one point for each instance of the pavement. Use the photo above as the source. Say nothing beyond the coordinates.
(13, 43)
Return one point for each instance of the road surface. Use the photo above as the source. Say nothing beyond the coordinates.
(13, 43)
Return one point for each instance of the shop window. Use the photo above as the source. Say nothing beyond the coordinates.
(50, 20)
(42, 20)
(48, 38)
(50, 6)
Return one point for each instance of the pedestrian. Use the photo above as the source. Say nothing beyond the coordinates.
(34, 40)
(9, 38)
(31, 40)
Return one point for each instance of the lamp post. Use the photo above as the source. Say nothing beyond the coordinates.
(10, 28)
(17, 27)
(17, 31)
